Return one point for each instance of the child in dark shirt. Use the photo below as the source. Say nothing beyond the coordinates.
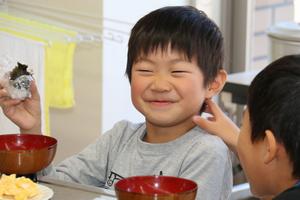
(268, 144)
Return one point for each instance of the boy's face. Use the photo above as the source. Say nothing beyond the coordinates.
(251, 158)
(167, 88)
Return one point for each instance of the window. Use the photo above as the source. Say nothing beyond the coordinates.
(267, 13)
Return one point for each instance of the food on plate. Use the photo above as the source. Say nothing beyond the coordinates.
(17, 188)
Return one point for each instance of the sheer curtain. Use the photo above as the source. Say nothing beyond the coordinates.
(30, 52)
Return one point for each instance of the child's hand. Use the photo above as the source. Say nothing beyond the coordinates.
(219, 124)
(26, 114)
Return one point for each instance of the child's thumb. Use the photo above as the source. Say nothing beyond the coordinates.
(202, 122)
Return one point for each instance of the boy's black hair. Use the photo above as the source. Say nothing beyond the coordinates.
(187, 30)
(274, 104)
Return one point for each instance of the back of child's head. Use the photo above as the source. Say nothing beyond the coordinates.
(274, 104)
(187, 30)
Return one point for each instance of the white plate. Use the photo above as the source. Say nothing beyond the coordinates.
(45, 194)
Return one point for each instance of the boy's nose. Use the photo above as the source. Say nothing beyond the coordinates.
(160, 84)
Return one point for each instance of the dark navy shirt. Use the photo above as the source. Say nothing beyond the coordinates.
(290, 194)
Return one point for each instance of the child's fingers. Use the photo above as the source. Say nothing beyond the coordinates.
(4, 97)
(202, 122)
(1, 84)
(3, 93)
(5, 103)
(10, 102)
(34, 90)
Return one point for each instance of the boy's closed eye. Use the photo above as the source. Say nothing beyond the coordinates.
(179, 73)
(144, 70)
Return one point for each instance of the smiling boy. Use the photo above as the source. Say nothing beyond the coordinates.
(175, 58)
(167, 89)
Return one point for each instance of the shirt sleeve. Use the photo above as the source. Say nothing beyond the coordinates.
(210, 166)
(90, 165)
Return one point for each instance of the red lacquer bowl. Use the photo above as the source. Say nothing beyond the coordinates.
(155, 187)
(25, 153)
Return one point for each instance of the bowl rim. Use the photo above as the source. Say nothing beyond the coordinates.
(156, 176)
(33, 149)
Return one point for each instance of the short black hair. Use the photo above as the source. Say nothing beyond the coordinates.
(187, 29)
(274, 104)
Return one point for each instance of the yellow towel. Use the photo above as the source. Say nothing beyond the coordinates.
(59, 73)
(58, 62)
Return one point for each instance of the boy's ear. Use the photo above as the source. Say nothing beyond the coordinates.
(217, 84)
(271, 147)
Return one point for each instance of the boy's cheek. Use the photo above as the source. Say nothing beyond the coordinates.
(136, 87)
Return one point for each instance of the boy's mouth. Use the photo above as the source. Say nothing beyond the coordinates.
(161, 103)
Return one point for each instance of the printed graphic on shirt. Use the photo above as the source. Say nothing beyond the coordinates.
(113, 177)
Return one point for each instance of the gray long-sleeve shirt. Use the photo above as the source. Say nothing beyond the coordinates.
(121, 152)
